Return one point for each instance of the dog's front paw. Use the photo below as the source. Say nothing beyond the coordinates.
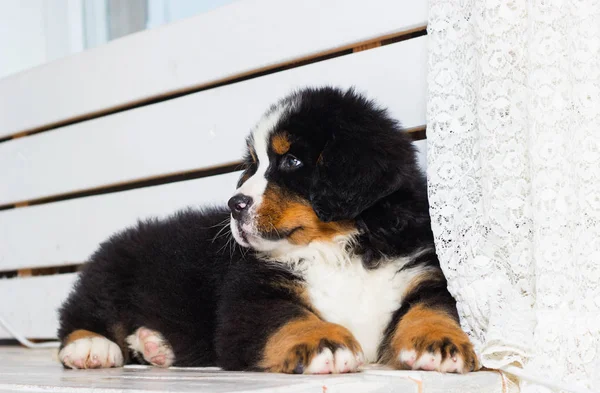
(431, 340)
(325, 357)
(433, 352)
(312, 347)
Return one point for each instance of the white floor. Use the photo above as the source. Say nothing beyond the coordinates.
(26, 370)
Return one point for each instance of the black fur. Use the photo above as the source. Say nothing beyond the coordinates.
(217, 303)
(159, 274)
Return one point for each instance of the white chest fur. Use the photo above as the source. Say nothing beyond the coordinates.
(361, 300)
(344, 292)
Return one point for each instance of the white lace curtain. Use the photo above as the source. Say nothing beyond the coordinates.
(514, 171)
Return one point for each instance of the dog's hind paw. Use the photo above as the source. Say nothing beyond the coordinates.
(152, 347)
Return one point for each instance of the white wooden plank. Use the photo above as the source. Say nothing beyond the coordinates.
(199, 130)
(68, 232)
(23, 370)
(232, 40)
(422, 157)
(34, 303)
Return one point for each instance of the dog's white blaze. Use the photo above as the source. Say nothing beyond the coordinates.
(359, 299)
(255, 186)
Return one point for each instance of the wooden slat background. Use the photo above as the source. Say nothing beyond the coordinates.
(67, 232)
(237, 40)
(198, 130)
(151, 111)
(30, 304)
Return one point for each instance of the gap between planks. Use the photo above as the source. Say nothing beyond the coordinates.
(41, 271)
(301, 61)
(417, 133)
(131, 184)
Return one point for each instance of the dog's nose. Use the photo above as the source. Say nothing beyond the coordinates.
(239, 204)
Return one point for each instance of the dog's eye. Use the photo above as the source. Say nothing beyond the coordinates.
(289, 163)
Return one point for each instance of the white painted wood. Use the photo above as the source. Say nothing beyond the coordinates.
(30, 304)
(238, 38)
(68, 232)
(23, 370)
(422, 157)
(204, 129)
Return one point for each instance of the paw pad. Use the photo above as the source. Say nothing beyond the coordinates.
(152, 347)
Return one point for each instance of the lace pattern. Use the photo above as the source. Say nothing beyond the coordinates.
(514, 178)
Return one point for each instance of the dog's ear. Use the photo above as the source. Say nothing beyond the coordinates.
(357, 169)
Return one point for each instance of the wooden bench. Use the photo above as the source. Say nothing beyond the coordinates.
(156, 121)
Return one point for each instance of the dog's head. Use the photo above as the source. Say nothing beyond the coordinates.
(315, 161)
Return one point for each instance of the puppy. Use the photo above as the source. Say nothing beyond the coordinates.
(333, 263)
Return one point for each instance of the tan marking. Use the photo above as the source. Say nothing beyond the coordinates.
(433, 275)
(300, 340)
(282, 213)
(79, 334)
(389, 352)
(300, 292)
(423, 326)
(280, 143)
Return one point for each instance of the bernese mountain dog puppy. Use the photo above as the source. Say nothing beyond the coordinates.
(332, 261)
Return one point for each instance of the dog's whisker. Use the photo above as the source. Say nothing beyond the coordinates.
(276, 231)
(225, 221)
(226, 233)
(225, 226)
(226, 244)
